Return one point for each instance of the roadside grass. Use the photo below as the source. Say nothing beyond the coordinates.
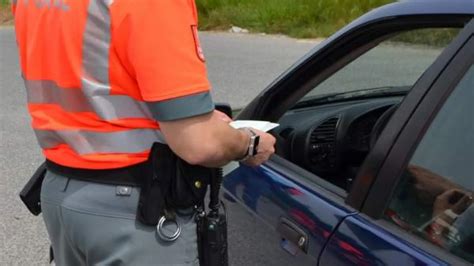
(302, 18)
(6, 17)
(432, 37)
(299, 19)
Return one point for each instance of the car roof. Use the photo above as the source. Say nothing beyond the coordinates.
(420, 7)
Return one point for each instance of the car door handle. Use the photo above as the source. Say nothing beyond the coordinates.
(293, 238)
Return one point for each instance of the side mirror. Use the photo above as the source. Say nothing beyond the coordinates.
(225, 108)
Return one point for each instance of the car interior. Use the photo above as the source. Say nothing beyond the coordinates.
(332, 140)
(331, 133)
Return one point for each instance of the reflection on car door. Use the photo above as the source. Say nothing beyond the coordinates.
(294, 217)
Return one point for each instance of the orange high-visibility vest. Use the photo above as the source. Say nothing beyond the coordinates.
(99, 74)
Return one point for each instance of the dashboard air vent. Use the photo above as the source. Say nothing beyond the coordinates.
(325, 133)
(322, 156)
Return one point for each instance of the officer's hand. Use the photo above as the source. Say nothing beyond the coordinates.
(266, 148)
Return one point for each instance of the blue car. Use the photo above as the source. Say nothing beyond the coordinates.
(375, 148)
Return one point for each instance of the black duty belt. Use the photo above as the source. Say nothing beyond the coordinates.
(125, 176)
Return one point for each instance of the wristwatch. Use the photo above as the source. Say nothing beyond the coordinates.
(252, 150)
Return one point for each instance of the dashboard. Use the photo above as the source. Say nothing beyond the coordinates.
(360, 131)
(331, 140)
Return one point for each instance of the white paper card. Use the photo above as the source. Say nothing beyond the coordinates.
(264, 126)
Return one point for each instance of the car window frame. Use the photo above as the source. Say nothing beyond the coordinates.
(372, 165)
(443, 83)
(365, 37)
(307, 178)
(329, 57)
(381, 193)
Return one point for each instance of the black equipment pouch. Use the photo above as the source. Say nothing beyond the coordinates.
(170, 183)
(189, 186)
(151, 203)
(30, 194)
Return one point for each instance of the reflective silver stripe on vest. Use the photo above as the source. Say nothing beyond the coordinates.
(89, 142)
(95, 63)
(96, 44)
(110, 107)
(107, 107)
(47, 92)
(95, 94)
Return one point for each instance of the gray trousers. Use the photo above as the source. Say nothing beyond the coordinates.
(94, 224)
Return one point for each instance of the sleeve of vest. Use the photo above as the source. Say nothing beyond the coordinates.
(165, 55)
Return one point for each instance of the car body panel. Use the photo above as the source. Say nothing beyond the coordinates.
(358, 241)
(270, 195)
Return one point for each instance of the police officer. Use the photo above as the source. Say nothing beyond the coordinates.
(105, 80)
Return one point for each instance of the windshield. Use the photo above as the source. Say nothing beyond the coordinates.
(393, 64)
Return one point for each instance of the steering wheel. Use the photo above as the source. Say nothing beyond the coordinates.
(380, 124)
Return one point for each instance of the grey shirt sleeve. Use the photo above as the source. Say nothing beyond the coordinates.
(182, 107)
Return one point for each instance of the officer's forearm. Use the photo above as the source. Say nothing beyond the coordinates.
(205, 140)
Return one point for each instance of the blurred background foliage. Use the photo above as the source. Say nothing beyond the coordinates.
(5, 13)
(295, 18)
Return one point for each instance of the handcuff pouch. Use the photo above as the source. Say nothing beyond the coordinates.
(170, 183)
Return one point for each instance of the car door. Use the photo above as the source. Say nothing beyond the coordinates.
(280, 213)
(284, 220)
(419, 208)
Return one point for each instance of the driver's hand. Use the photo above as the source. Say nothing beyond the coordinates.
(455, 199)
(266, 148)
(428, 185)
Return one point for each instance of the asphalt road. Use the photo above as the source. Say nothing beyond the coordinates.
(239, 67)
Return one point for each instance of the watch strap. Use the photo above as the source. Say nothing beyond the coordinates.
(253, 144)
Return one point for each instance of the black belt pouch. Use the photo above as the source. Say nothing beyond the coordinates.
(30, 194)
(170, 183)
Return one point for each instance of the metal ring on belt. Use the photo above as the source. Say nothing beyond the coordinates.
(162, 235)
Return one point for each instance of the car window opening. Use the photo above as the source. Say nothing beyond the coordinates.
(331, 130)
